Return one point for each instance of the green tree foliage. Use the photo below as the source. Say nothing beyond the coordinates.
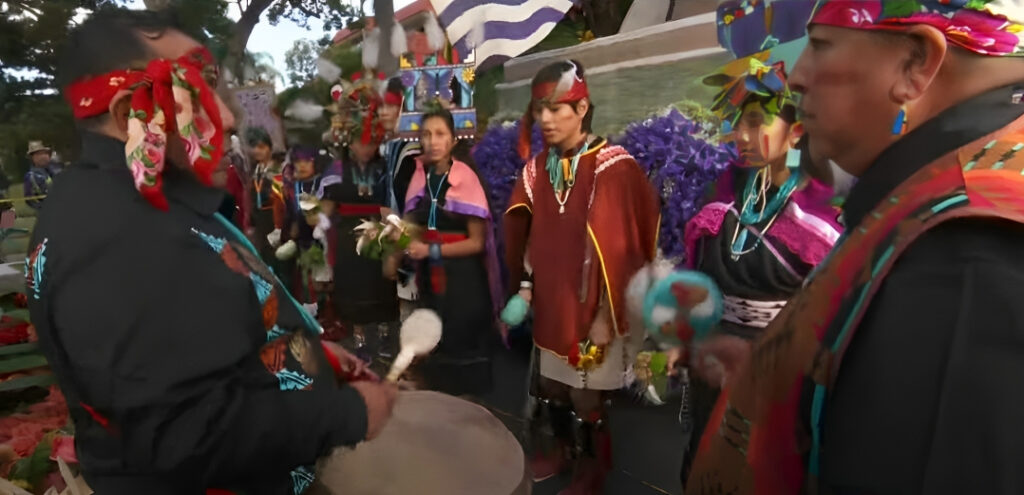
(30, 106)
(259, 67)
(32, 31)
(318, 91)
(334, 14)
(28, 117)
(300, 60)
(594, 18)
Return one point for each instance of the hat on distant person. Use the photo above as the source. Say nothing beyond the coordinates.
(36, 146)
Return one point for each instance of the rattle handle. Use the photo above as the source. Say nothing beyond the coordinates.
(401, 363)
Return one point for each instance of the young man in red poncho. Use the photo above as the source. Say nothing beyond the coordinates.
(582, 220)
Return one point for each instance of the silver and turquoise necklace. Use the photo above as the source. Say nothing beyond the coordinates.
(756, 194)
(363, 179)
(432, 217)
(563, 177)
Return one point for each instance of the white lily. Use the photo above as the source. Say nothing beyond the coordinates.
(384, 235)
(365, 226)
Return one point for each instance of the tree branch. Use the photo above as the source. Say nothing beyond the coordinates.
(252, 13)
(302, 8)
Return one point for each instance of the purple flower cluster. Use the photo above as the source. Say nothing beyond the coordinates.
(499, 163)
(681, 166)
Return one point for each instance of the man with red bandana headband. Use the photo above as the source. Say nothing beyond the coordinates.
(582, 220)
(893, 370)
(186, 364)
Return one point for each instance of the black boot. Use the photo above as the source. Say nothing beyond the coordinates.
(548, 437)
(593, 454)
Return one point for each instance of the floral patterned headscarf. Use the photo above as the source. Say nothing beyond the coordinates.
(986, 27)
(181, 88)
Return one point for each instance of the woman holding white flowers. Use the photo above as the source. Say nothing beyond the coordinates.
(456, 262)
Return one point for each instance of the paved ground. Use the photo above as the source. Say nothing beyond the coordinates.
(646, 439)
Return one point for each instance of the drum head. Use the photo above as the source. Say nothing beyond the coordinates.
(434, 444)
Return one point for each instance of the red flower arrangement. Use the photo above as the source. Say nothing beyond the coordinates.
(22, 432)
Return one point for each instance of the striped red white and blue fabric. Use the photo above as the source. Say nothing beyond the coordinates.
(498, 29)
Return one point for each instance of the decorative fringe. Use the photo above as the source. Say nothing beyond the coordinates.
(371, 48)
(399, 44)
(327, 70)
(304, 110)
(435, 35)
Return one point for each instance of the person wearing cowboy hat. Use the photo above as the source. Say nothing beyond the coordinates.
(40, 175)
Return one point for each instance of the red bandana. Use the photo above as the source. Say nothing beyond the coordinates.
(392, 98)
(570, 88)
(163, 87)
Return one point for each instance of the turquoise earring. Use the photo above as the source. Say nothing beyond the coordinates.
(793, 158)
(899, 126)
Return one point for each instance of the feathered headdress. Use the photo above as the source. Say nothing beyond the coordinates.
(749, 79)
(356, 104)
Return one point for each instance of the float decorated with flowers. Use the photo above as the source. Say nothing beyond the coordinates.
(37, 452)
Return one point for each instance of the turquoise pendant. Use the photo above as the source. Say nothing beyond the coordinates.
(741, 241)
(793, 158)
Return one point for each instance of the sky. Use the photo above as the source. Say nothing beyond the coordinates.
(276, 40)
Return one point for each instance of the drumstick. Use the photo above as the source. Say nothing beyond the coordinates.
(420, 334)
